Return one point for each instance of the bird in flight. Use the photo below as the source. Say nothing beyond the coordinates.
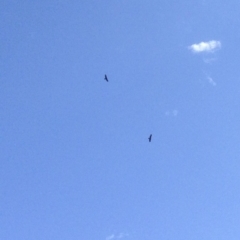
(150, 138)
(106, 78)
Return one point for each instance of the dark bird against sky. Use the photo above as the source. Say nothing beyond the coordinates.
(150, 138)
(106, 78)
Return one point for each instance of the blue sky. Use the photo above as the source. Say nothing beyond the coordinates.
(75, 161)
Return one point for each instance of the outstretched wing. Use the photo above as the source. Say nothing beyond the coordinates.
(150, 138)
(106, 78)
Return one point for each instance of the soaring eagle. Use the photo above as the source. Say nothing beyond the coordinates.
(150, 138)
(106, 78)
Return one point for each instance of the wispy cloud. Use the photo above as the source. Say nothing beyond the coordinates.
(117, 236)
(205, 46)
(211, 81)
(175, 112)
(110, 237)
(172, 113)
(209, 60)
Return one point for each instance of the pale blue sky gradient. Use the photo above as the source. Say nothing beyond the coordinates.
(75, 161)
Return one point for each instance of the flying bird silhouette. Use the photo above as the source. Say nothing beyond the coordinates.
(106, 78)
(150, 138)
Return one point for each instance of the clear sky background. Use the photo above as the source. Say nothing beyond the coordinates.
(75, 161)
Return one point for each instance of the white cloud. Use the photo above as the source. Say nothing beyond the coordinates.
(205, 46)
